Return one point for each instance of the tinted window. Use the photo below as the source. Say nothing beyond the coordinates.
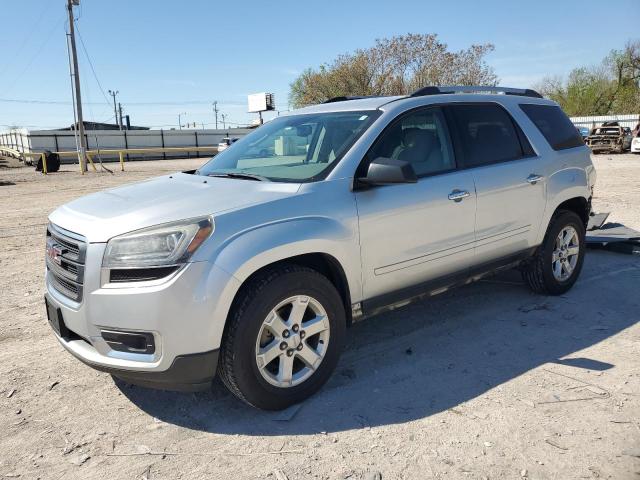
(487, 134)
(554, 125)
(420, 138)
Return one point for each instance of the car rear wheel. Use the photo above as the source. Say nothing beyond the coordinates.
(283, 338)
(557, 264)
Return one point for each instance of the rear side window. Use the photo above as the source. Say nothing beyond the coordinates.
(487, 134)
(554, 125)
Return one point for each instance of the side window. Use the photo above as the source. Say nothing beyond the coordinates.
(420, 138)
(487, 134)
(554, 125)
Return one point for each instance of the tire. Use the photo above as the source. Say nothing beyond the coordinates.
(249, 331)
(538, 272)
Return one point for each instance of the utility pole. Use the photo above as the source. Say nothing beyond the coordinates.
(82, 158)
(115, 109)
(120, 116)
(224, 116)
(215, 111)
(180, 119)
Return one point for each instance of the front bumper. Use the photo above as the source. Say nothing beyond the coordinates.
(187, 373)
(601, 147)
(185, 314)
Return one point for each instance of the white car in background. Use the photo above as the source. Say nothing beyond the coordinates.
(635, 139)
(225, 143)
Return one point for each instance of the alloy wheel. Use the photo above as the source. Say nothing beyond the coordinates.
(292, 341)
(565, 253)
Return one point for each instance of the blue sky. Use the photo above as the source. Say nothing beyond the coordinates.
(169, 57)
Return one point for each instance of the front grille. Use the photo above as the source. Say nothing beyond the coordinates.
(65, 259)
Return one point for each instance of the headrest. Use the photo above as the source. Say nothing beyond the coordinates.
(426, 139)
(489, 133)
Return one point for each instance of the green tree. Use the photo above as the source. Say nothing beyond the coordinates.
(394, 66)
(613, 87)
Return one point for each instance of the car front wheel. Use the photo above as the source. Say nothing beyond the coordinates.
(283, 338)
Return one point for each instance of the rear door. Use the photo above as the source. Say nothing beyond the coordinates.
(412, 233)
(510, 185)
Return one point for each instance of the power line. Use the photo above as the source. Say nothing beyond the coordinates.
(35, 55)
(84, 48)
(37, 102)
(30, 34)
(78, 120)
(141, 104)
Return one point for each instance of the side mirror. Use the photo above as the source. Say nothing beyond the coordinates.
(387, 171)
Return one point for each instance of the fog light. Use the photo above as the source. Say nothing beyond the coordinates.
(131, 342)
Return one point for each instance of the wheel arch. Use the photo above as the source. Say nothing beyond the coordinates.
(575, 202)
(568, 189)
(325, 245)
(322, 262)
(579, 205)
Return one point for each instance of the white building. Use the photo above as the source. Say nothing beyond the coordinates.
(25, 140)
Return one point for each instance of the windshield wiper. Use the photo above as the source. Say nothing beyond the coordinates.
(240, 175)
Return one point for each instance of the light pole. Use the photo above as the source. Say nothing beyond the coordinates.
(215, 112)
(115, 109)
(224, 116)
(79, 127)
(180, 119)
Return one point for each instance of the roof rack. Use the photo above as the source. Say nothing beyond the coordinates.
(344, 99)
(525, 92)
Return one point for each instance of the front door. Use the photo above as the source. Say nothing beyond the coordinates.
(413, 233)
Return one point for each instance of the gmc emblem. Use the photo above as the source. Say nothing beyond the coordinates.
(54, 252)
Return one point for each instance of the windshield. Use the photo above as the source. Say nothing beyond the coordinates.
(607, 131)
(295, 148)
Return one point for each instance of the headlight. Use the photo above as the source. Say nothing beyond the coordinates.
(168, 244)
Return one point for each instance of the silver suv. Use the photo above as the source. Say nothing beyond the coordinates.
(254, 265)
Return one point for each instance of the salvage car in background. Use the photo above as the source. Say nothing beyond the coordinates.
(628, 138)
(610, 137)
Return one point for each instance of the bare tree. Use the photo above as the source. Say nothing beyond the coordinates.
(394, 66)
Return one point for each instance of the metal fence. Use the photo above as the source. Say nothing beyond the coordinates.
(624, 120)
(34, 141)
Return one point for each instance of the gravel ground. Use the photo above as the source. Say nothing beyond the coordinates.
(487, 381)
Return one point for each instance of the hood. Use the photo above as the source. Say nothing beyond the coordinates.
(103, 215)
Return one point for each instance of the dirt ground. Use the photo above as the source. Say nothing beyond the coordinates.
(485, 382)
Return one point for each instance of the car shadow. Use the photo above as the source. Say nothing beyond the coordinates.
(433, 355)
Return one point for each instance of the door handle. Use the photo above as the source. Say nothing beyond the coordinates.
(458, 195)
(534, 178)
